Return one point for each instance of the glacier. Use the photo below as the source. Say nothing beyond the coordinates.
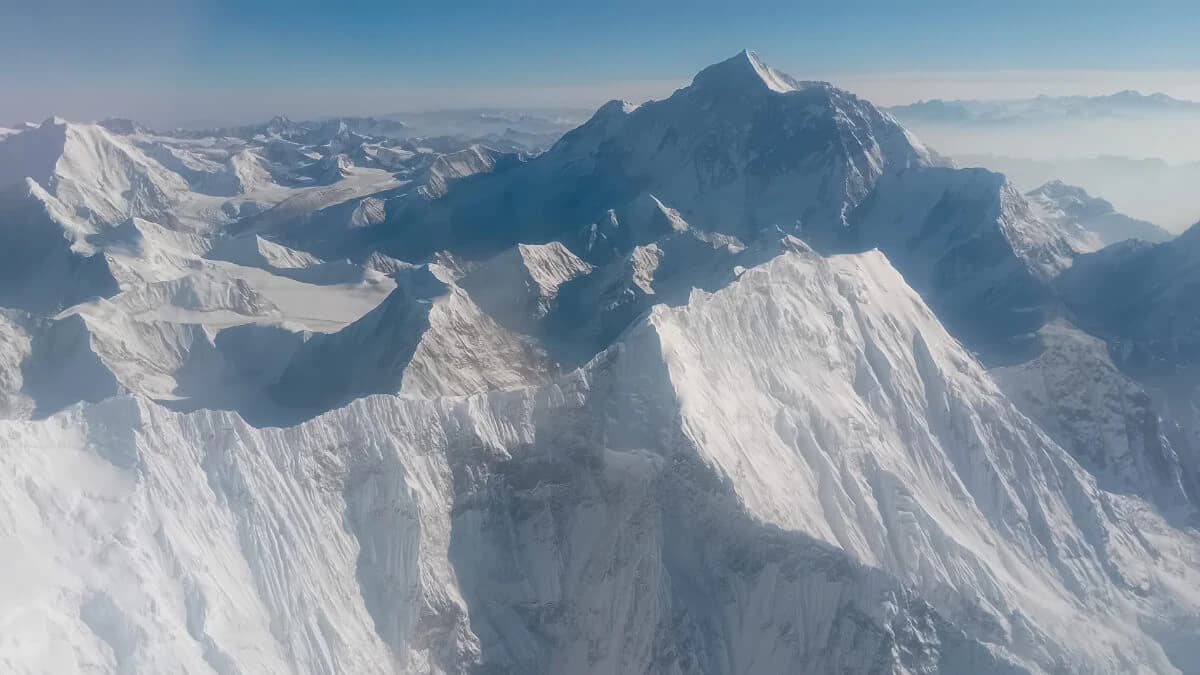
(703, 496)
(743, 380)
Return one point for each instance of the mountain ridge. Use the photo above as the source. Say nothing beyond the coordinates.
(702, 388)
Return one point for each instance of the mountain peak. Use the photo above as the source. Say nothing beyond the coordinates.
(744, 71)
(615, 107)
(1058, 188)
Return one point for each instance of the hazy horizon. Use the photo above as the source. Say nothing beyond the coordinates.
(209, 63)
(467, 367)
(187, 107)
(172, 63)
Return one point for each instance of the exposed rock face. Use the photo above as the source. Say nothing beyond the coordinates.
(1070, 204)
(700, 389)
(558, 527)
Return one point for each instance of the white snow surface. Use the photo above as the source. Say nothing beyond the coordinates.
(686, 393)
(803, 454)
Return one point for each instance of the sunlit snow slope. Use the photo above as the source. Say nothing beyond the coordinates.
(703, 388)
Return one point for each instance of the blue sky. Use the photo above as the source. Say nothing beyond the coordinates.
(194, 59)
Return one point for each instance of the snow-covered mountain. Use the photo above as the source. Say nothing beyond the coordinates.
(1124, 435)
(1140, 298)
(507, 128)
(702, 388)
(747, 152)
(1147, 189)
(1142, 292)
(1137, 151)
(743, 149)
(1068, 203)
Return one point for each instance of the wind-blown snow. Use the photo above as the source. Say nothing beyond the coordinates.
(441, 536)
(699, 389)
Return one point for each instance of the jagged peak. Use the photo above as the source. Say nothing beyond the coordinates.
(745, 71)
(613, 108)
(121, 125)
(62, 129)
(1058, 187)
(730, 82)
(1064, 194)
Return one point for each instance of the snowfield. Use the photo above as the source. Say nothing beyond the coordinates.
(838, 477)
(746, 380)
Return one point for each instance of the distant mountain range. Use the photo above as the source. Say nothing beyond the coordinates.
(1041, 109)
(1149, 189)
(745, 380)
(1071, 203)
(529, 128)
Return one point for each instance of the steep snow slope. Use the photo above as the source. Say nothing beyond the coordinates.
(446, 168)
(1143, 295)
(746, 151)
(428, 338)
(254, 251)
(592, 310)
(520, 286)
(324, 550)
(197, 293)
(91, 176)
(631, 421)
(73, 183)
(1108, 422)
(88, 210)
(159, 332)
(926, 525)
(736, 151)
(1141, 299)
(871, 429)
(973, 247)
(345, 221)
